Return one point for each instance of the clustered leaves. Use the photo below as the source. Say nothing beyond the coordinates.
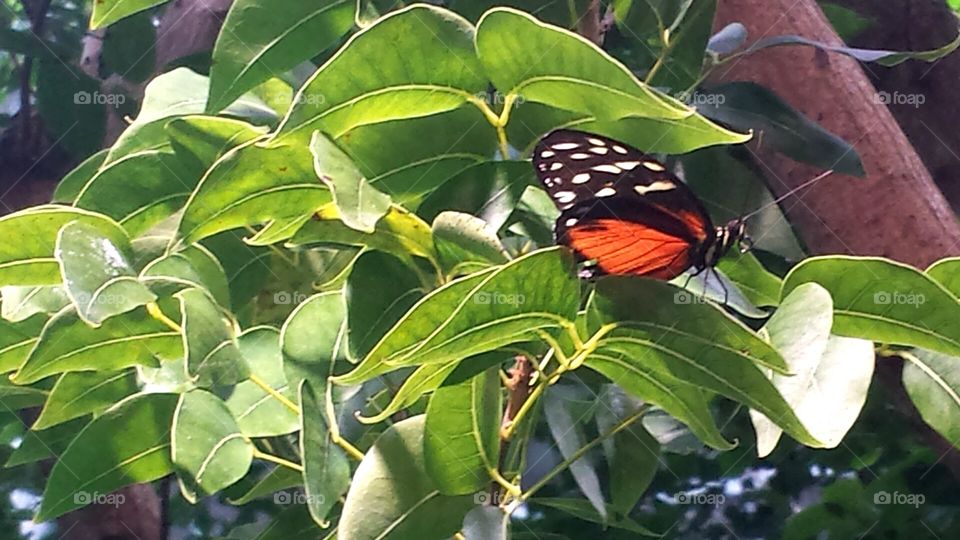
(316, 293)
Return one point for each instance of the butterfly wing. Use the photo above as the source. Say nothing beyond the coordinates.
(621, 207)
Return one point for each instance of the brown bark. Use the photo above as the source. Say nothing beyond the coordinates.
(897, 210)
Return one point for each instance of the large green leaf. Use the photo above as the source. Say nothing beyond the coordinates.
(81, 393)
(392, 496)
(195, 266)
(360, 205)
(313, 337)
(213, 356)
(21, 303)
(351, 90)
(107, 12)
(30, 260)
(326, 469)
(696, 343)
(69, 344)
(550, 65)
(207, 447)
(17, 340)
(237, 190)
(128, 444)
(259, 414)
(39, 445)
(829, 375)
(263, 38)
(97, 272)
(885, 301)
(567, 429)
(462, 442)
(479, 313)
(71, 184)
(932, 381)
(947, 273)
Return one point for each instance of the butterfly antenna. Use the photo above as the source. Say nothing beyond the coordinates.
(793, 191)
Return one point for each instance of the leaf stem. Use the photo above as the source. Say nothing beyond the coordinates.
(624, 424)
(154, 310)
(255, 379)
(276, 459)
(334, 428)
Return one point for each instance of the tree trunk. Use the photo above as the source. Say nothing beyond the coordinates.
(897, 210)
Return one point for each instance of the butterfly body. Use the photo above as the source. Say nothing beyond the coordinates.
(625, 210)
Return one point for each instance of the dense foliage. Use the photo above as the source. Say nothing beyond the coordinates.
(307, 284)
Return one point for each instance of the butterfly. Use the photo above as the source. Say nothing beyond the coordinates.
(626, 211)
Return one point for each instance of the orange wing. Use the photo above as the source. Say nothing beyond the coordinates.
(629, 247)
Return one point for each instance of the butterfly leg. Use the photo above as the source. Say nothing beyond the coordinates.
(726, 292)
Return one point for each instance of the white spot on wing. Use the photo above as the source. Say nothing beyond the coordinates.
(606, 192)
(547, 154)
(607, 168)
(564, 146)
(581, 178)
(628, 165)
(564, 197)
(654, 166)
(599, 150)
(579, 155)
(570, 222)
(596, 142)
(659, 185)
(556, 166)
(619, 149)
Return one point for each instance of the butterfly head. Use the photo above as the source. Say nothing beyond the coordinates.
(734, 233)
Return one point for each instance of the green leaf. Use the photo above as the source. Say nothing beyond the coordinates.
(379, 291)
(945, 271)
(213, 356)
(207, 447)
(40, 445)
(748, 106)
(326, 469)
(570, 437)
(128, 444)
(30, 260)
(667, 136)
(260, 39)
(312, 337)
(696, 343)
(399, 233)
(547, 64)
(350, 90)
(829, 377)
(14, 397)
(69, 344)
(259, 414)
(107, 12)
(462, 441)
(128, 49)
(582, 509)
(238, 190)
(933, 383)
(70, 185)
(392, 496)
(81, 393)
(17, 340)
(761, 287)
(682, 62)
(195, 266)
(881, 300)
(21, 303)
(466, 243)
(479, 313)
(280, 477)
(360, 205)
(633, 455)
(97, 273)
